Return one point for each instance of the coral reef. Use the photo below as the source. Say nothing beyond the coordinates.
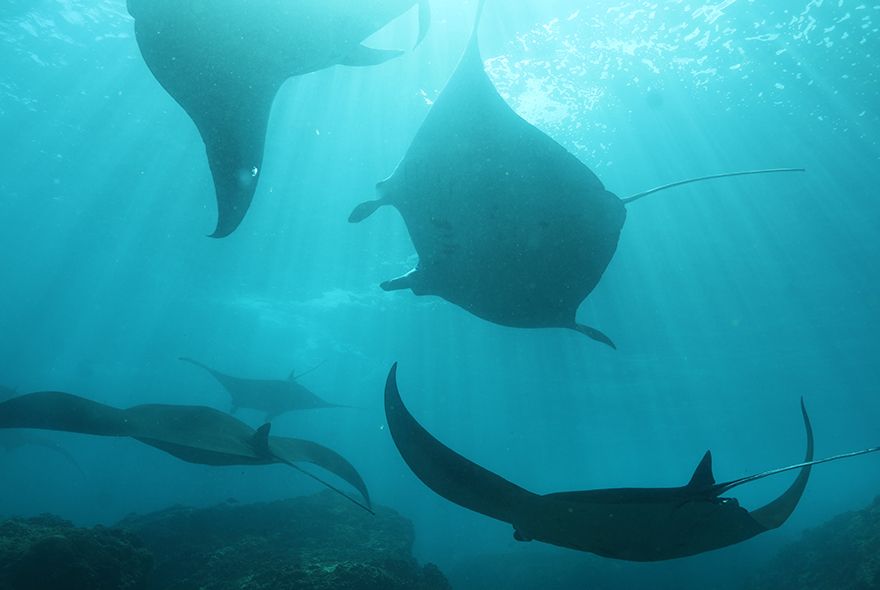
(312, 543)
(49, 553)
(318, 542)
(842, 554)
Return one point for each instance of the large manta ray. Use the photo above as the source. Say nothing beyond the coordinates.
(195, 434)
(272, 396)
(506, 223)
(635, 524)
(223, 61)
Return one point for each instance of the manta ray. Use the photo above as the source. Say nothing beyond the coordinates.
(634, 524)
(195, 434)
(272, 396)
(506, 222)
(223, 61)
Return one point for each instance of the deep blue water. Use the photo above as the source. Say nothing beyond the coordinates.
(728, 301)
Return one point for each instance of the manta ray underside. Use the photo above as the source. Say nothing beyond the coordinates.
(635, 524)
(506, 222)
(195, 434)
(223, 61)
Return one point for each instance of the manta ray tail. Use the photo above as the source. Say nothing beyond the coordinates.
(447, 473)
(638, 196)
(594, 334)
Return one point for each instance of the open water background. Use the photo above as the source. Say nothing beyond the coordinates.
(728, 301)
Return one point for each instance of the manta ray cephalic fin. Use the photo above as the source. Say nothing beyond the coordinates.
(404, 281)
(593, 333)
(365, 209)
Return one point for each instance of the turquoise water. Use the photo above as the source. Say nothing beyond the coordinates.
(728, 301)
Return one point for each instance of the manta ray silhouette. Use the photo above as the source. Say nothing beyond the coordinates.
(635, 524)
(507, 224)
(195, 434)
(272, 396)
(223, 61)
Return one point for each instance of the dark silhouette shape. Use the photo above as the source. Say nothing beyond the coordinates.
(507, 224)
(272, 396)
(195, 434)
(635, 524)
(223, 61)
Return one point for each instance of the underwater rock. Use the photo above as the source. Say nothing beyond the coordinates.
(49, 553)
(842, 554)
(308, 543)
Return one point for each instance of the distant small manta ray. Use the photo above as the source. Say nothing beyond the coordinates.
(506, 222)
(195, 434)
(273, 396)
(634, 524)
(224, 61)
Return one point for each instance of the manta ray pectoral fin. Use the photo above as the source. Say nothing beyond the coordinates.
(235, 169)
(362, 56)
(133, 7)
(447, 473)
(776, 512)
(260, 440)
(290, 451)
(594, 334)
(365, 209)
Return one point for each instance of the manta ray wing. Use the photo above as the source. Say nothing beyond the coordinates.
(195, 434)
(507, 223)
